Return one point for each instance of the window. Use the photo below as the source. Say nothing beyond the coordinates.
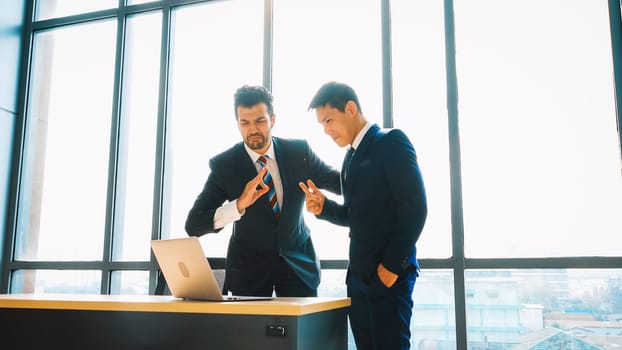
(64, 186)
(137, 138)
(126, 103)
(541, 154)
(307, 55)
(56, 281)
(546, 308)
(206, 69)
(419, 108)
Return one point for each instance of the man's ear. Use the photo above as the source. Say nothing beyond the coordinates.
(351, 109)
(273, 119)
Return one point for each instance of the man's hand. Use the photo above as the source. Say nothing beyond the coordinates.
(254, 189)
(314, 197)
(387, 277)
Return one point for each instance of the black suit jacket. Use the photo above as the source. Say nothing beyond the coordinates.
(384, 204)
(258, 237)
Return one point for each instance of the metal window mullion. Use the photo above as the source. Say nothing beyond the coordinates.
(121, 10)
(113, 206)
(74, 19)
(457, 219)
(576, 262)
(615, 25)
(19, 139)
(268, 44)
(387, 82)
(162, 138)
(80, 265)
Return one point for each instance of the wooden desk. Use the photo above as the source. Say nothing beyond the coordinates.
(162, 322)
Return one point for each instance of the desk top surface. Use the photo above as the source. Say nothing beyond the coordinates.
(159, 303)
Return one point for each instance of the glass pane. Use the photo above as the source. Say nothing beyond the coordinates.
(138, 137)
(433, 324)
(56, 282)
(46, 9)
(433, 321)
(333, 284)
(130, 282)
(541, 156)
(64, 183)
(217, 47)
(544, 309)
(306, 55)
(420, 109)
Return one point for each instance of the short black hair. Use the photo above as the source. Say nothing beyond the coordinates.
(250, 95)
(336, 95)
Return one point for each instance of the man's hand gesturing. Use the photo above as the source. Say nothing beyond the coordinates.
(254, 189)
(314, 197)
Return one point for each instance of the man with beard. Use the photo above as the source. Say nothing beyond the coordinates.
(254, 185)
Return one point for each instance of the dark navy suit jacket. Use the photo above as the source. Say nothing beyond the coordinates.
(384, 204)
(258, 237)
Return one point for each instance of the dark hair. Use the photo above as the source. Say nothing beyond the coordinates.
(336, 95)
(248, 96)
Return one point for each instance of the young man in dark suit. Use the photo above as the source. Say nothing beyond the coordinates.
(254, 185)
(384, 206)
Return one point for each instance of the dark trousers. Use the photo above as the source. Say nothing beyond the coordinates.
(282, 280)
(380, 316)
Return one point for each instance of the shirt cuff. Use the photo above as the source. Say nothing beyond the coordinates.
(227, 214)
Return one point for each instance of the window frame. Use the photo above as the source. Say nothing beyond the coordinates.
(458, 263)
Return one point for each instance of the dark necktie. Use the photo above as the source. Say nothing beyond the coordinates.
(346, 162)
(271, 192)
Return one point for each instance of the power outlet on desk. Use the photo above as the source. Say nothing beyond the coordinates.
(276, 330)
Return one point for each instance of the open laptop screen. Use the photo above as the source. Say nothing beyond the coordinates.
(187, 271)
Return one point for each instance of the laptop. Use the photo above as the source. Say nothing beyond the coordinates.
(188, 273)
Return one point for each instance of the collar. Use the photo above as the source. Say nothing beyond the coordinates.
(254, 155)
(359, 138)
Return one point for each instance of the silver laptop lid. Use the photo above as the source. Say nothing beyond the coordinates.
(186, 269)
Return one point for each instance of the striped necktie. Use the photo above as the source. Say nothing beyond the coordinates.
(271, 192)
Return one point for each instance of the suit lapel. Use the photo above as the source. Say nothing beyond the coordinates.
(244, 165)
(359, 155)
(282, 158)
